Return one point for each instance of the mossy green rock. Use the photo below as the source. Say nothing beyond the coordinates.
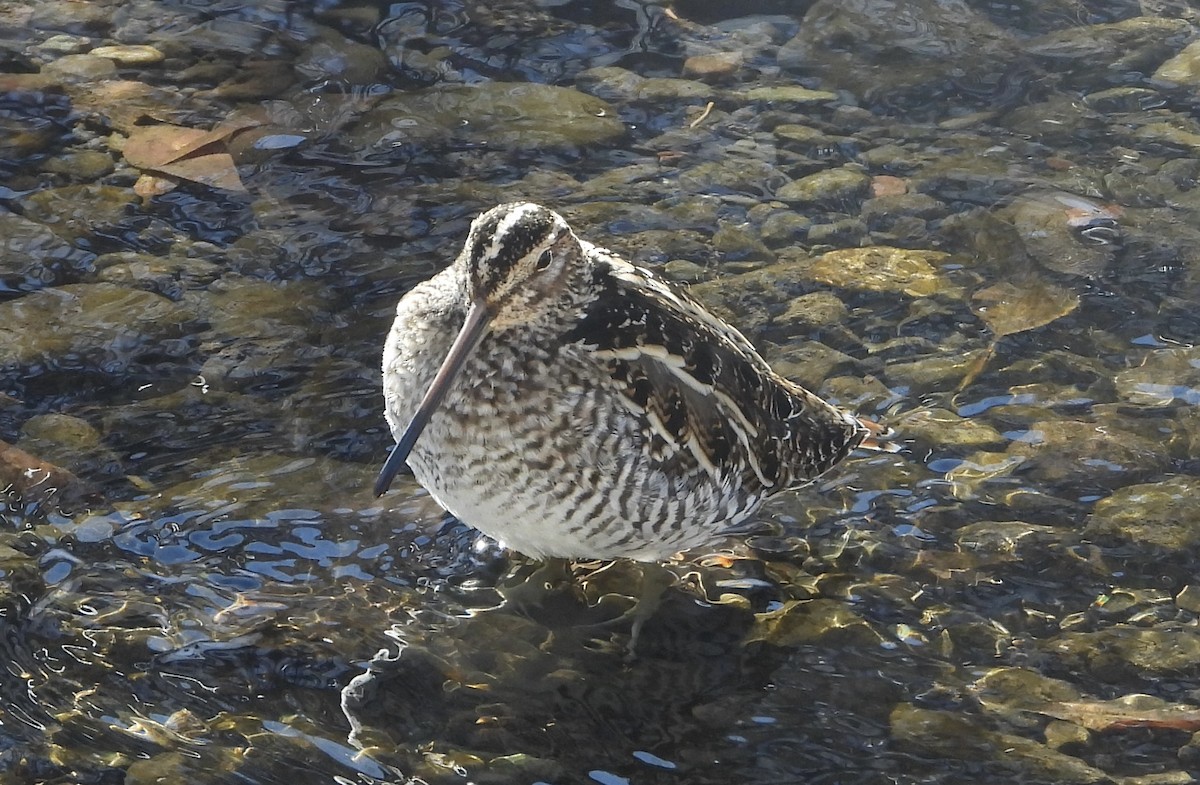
(86, 319)
(832, 187)
(33, 256)
(1158, 514)
(508, 115)
(1118, 653)
(944, 428)
(813, 621)
(1183, 69)
(812, 310)
(882, 268)
(1166, 376)
(1136, 44)
(955, 736)
(787, 94)
(1061, 452)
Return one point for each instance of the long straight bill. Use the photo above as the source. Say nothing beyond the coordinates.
(472, 332)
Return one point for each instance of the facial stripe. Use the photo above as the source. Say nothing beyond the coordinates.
(503, 236)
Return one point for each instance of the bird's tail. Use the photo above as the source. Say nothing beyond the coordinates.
(879, 437)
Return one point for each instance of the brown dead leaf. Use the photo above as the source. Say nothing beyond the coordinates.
(155, 146)
(187, 153)
(1008, 308)
(216, 170)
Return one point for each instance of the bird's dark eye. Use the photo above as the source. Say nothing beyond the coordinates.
(545, 259)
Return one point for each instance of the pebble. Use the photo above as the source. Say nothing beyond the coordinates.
(129, 55)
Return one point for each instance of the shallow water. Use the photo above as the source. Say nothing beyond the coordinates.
(975, 223)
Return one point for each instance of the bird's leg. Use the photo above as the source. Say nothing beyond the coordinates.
(656, 579)
(527, 583)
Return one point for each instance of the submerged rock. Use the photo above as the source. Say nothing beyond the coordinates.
(946, 429)
(835, 188)
(1066, 233)
(1106, 52)
(510, 115)
(954, 735)
(99, 327)
(1183, 69)
(1157, 514)
(32, 256)
(1102, 453)
(1165, 376)
(886, 49)
(883, 269)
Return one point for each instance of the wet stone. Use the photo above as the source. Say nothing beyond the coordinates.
(1188, 598)
(1124, 100)
(64, 44)
(848, 231)
(272, 362)
(170, 276)
(835, 188)
(1164, 377)
(729, 174)
(69, 442)
(716, 65)
(999, 540)
(1183, 69)
(882, 211)
(684, 271)
(80, 68)
(813, 310)
(829, 622)
(787, 96)
(90, 327)
(1102, 52)
(1061, 734)
(252, 486)
(657, 246)
(332, 56)
(32, 256)
(1122, 652)
(661, 89)
(973, 476)
(525, 116)
(245, 307)
(1072, 118)
(71, 17)
(953, 735)
(129, 54)
(1069, 452)
(866, 48)
(809, 363)
(882, 269)
(77, 212)
(71, 432)
(784, 227)
(1152, 515)
(739, 243)
(947, 429)
(610, 83)
(1009, 691)
(82, 165)
(749, 299)
(803, 137)
(941, 371)
(1048, 226)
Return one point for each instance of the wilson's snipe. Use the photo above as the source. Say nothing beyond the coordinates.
(571, 404)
